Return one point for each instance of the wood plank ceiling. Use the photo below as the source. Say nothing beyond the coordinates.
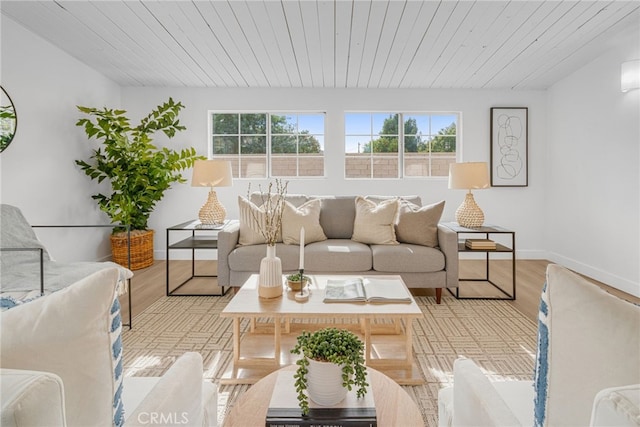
(330, 43)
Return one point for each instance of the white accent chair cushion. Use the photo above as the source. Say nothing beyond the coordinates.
(69, 333)
(617, 406)
(178, 397)
(31, 398)
(74, 335)
(588, 340)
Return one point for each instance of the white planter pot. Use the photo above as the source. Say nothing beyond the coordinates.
(270, 282)
(324, 383)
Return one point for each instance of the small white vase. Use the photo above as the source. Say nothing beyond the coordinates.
(324, 383)
(270, 282)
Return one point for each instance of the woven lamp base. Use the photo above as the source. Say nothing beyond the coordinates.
(469, 214)
(212, 212)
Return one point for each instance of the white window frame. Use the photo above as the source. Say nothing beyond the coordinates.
(268, 154)
(401, 141)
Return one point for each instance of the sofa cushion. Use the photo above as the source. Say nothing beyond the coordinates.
(249, 213)
(247, 258)
(406, 258)
(305, 216)
(295, 199)
(418, 225)
(74, 333)
(374, 223)
(600, 330)
(337, 215)
(379, 199)
(337, 256)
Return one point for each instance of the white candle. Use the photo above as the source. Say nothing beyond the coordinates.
(302, 248)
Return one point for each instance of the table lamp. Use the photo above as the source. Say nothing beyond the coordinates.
(469, 176)
(212, 173)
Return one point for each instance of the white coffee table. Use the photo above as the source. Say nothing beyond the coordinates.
(386, 330)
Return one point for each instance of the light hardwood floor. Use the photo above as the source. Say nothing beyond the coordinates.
(149, 284)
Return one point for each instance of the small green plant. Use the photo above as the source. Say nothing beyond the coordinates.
(333, 345)
(296, 278)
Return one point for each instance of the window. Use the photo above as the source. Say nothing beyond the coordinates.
(261, 145)
(395, 145)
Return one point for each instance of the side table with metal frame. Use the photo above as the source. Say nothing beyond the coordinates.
(487, 231)
(193, 242)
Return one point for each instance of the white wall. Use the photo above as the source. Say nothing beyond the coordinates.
(517, 208)
(37, 170)
(593, 156)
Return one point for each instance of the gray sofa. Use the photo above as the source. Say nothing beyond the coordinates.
(419, 266)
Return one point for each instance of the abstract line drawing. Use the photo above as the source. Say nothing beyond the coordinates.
(509, 147)
(509, 134)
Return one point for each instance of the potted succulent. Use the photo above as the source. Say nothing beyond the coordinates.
(332, 363)
(139, 173)
(297, 282)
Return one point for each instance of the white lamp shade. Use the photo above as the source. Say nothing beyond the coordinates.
(211, 173)
(630, 75)
(469, 175)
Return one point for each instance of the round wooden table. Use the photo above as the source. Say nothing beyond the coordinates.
(394, 407)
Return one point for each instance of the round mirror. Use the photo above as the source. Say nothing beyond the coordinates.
(8, 120)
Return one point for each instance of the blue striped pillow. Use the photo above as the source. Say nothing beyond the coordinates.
(541, 375)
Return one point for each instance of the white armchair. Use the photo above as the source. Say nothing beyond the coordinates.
(72, 339)
(587, 366)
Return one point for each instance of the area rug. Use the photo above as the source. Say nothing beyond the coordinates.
(492, 333)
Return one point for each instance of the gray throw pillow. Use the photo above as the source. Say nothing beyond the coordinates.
(419, 225)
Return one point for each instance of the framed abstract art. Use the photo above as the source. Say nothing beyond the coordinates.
(509, 147)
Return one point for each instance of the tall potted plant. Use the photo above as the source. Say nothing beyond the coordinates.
(138, 171)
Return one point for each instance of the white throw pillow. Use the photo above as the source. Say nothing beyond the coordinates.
(249, 232)
(74, 333)
(375, 223)
(307, 216)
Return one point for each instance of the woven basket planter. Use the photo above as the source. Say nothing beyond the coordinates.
(141, 249)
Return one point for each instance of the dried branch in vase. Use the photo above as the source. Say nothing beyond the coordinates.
(269, 222)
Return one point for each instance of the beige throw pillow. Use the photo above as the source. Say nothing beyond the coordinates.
(374, 223)
(249, 232)
(308, 216)
(419, 225)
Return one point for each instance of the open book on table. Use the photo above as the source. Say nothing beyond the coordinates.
(366, 290)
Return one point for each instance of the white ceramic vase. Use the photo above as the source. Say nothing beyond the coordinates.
(324, 383)
(270, 282)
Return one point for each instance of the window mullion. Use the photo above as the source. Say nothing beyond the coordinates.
(400, 145)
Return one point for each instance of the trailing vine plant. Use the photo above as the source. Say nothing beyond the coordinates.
(333, 345)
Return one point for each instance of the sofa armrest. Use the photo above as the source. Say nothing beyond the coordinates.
(227, 242)
(177, 398)
(448, 242)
